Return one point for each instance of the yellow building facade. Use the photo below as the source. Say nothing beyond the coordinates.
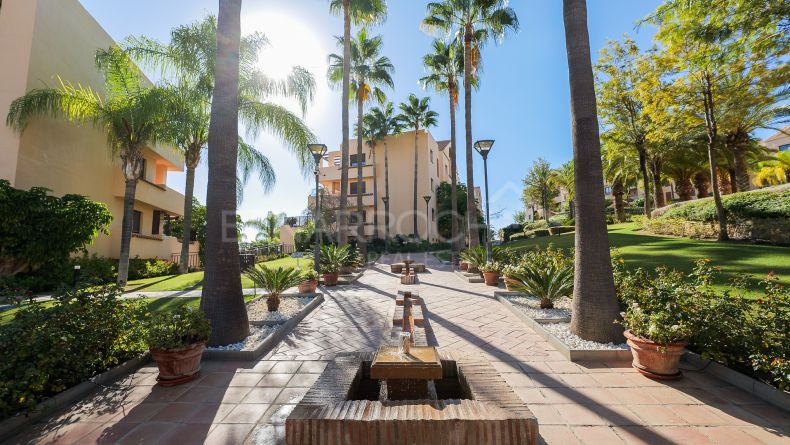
(39, 41)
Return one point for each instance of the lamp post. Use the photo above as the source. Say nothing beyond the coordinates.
(427, 199)
(483, 147)
(318, 151)
(386, 201)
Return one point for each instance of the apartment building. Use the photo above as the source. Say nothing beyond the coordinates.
(433, 169)
(39, 41)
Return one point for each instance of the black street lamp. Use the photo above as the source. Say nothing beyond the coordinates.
(483, 147)
(318, 151)
(386, 201)
(427, 199)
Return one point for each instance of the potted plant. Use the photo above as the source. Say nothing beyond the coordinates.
(547, 280)
(491, 273)
(352, 261)
(463, 265)
(331, 260)
(274, 281)
(310, 282)
(508, 273)
(176, 340)
(657, 337)
(475, 257)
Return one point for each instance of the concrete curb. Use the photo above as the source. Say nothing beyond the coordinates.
(469, 278)
(574, 355)
(13, 424)
(772, 395)
(269, 342)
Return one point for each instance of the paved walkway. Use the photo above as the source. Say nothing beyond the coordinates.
(591, 403)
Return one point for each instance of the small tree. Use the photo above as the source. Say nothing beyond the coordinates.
(539, 186)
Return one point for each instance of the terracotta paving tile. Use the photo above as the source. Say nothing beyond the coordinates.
(145, 433)
(262, 395)
(518, 379)
(596, 435)
(771, 413)
(210, 413)
(557, 434)
(595, 396)
(62, 434)
(536, 368)
(220, 379)
(275, 380)
(579, 380)
(667, 395)
(657, 415)
(564, 367)
(547, 380)
(138, 412)
(590, 367)
(246, 379)
(731, 435)
(619, 415)
(613, 380)
(559, 395)
(246, 413)
(185, 433)
(176, 412)
(107, 433)
(504, 367)
(547, 415)
(642, 435)
(695, 414)
(530, 395)
(634, 396)
(768, 436)
(579, 414)
(286, 367)
(684, 435)
(229, 433)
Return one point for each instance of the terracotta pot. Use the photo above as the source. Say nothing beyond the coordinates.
(308, 287)
(655, 360)
(491, 278)
(330, 279)
(509, 282)
(177, 366)
(464, 265)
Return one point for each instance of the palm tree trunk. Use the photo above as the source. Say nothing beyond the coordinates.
(684, 187)
(733, 179)
(189, 190)
(386, 194)
(375, 193)
(595, 305)
(454, 241)
(471, 207)
(344, 149)
(361, 242)
(414, 213)
(222, 299)
(640, 149)
(702, 184)
(126, 229)
(619, 207)
(658, 189)
(742, 170)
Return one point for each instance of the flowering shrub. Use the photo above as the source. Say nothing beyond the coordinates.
(47, 348)
(177, 329)
(491, 266)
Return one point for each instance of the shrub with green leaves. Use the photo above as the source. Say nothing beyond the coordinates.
(745, 205)
(275, 281)
(48, 348)
(332, 258)
(491, 266)
(546, 274)
(149, 268)
(177, 329)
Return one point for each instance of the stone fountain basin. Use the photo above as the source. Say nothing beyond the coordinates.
(474, 406)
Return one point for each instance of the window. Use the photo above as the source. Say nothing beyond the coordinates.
(433, 214)
(432, 185)
(142, 170)
(136, 217)
(336, 161)
(784, 147)
(431, 152)
(155, 222)
(354, 186)
(353, 160)
(354, 217)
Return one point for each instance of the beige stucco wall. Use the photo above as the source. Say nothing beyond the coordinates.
(61, 38)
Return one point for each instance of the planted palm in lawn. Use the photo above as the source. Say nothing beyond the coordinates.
(275, 281)
(547, 280)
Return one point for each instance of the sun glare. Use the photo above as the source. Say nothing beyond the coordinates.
(291, 43)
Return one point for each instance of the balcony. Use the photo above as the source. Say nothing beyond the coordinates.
(158, 196)
(332, 172)
(367, 200)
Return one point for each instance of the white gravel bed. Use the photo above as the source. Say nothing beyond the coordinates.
(563, 332)
(530, 306)
(257, 335)
(289, 306)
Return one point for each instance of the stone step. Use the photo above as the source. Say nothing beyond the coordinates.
(415, 299)
(416, 312)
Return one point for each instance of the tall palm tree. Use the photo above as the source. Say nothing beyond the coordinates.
(416, 114)
(266, 227)
(360, 12)
(595, 306)
(190, 57)
(383, 122)
(222, 299)
(444, 65)
(473, 23)
(563, 177)
(369, 69)
(131, 115)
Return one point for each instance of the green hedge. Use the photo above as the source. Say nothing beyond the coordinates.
(541, 232)
(746, 205)
(561, 229)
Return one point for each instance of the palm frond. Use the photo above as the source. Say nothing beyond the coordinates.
(251, 160)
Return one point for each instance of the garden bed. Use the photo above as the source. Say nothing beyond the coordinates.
(530, 306)
(557, 333)
(290, 306)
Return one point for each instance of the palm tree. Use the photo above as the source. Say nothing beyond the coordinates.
(620, 168)
(444, 65)
(383, 122)
(131, 115)
(360, 12)
(473, 23)
(416, 114)
(563, 177)
(773, 171)
(266, 227)
(369, 69)
(191, 56)
(595, 306)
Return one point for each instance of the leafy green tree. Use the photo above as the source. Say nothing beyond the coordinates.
(444, 65)
(563, 178)
(189, 58)
(416, 114)
(773, 171)
(359, 12)
(131, 114)
(540, 187)
(471, 23)
(595, 305)
(198, 228)
(369, 69)
(445, 207)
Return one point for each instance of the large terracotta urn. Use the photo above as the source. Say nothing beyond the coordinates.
(177, 366)
(654, 359)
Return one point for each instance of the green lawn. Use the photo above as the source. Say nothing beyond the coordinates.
(163, 304)
(444, 255)
(640, 249)
(194, 280)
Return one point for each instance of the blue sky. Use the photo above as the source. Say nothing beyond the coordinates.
(522, 102)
